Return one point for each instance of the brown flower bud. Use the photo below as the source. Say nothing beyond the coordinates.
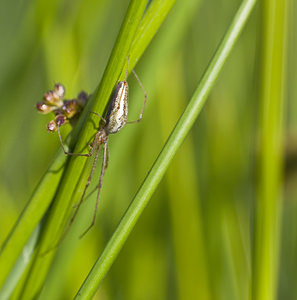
(58, 111)
(64, 110)
(51, 126)
(59, 90)
(43, 108)
(61, 120)
(52, 98)
(82, 98)
(70, 108)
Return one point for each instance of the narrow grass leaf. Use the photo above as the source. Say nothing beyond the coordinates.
(165, 157)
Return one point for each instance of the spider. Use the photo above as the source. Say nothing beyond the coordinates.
(115, 120)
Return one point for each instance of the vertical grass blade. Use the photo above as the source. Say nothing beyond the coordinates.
(62, 206)
(188, 238)
(45, 191)
(20, 266)
(31, 216)
(268, 205)
(164, 159)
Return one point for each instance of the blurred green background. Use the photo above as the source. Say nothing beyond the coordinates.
(195, 236)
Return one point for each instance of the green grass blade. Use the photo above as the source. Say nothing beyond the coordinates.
(268, 205)
(149, 25)
(20, 266)
(188, 237)
(31, 216)
(164, 159)
(62, 205)
(45, 191)
(68, 187)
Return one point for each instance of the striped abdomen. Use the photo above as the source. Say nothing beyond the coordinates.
(117, 113)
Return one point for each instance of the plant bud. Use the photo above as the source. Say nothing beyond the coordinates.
(52, 98)
(61, 120)
(82, 98)
(43, 108)
(51, 126)
(70, 108)
(60, 90)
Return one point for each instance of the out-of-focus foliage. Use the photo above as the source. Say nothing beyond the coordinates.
(194, 239)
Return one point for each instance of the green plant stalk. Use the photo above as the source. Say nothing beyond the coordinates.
(45, 191)
(31, 216)
(268, 205)
(60, 211)
(165, 157)
(149, 25)
(20, 266)
(63, 201)
(182, 181)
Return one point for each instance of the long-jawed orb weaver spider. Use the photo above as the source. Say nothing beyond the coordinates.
(115, 120)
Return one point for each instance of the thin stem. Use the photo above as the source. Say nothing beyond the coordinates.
(164, 159)
(63, 201)
(47, 188)
(268, 204)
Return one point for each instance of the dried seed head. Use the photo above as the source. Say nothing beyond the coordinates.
(82, 98)
(70, 108)
(52, 98)
(64, 110)
(51, 126)
(57, 112)
(60, 90)
(49, 97)
(44, 108)
(61, 120)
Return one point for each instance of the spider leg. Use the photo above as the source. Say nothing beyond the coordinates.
(145, 98)
(99, 189)
(73, 154)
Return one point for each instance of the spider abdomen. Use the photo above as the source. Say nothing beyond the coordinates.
(117, 113)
